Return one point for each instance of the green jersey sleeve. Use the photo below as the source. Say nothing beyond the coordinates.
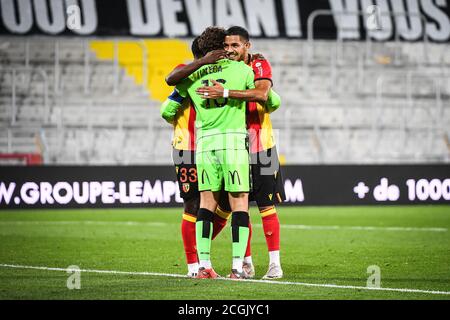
(273, 101)
(169, 109)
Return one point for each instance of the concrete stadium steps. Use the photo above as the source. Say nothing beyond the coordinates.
(299, 145)
(331, 112)
(18, 140)
(41, 50)
(367, 146)
(390, 114)
(88, 146)
(103, 116)
(321, 82)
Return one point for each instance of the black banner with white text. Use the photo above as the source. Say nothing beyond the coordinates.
(156, 186)
(382, 20)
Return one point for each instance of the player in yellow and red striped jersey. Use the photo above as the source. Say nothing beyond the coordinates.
(183, 152)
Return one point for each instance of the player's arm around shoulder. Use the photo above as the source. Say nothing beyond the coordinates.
(263, 82)
(183, 71)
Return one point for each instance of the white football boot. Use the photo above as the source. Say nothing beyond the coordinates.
(274, 272)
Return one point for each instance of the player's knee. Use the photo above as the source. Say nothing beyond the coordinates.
(239, 201)
(191, 206)
(208, 200)
(205, 215)
(240, 219)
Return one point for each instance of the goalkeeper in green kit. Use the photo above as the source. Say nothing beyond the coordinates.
(222, 156)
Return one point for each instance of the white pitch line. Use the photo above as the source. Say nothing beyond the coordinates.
(284, 226)
(87, 222)
(317, 285)
(362, 228)
(95, 271)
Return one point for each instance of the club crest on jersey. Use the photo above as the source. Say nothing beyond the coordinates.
(270, 196)
(186, 187)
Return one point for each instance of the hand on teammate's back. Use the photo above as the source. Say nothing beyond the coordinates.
(214, 56)
(214, 92)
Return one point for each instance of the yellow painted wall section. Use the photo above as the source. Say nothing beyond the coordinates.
(162, 57)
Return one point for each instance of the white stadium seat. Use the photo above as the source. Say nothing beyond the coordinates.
(341, 103)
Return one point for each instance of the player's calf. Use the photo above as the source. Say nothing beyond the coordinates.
(189, 243)
(188, 234)
(240, 233)
(271, 227)
(203, 232)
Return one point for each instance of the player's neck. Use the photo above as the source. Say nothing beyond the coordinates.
(248, 58)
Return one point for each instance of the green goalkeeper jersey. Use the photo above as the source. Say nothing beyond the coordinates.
(220, 123)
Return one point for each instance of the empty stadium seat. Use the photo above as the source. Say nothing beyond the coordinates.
(342, 102)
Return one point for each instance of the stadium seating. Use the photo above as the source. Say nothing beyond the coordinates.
(343, 102)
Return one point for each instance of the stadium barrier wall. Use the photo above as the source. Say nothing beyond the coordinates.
(413, 21)
(29, 159)
(156, 186)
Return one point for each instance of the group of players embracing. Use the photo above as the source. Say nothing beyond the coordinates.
(224, 150)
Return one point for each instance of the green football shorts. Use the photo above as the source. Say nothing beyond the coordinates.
(228, 169)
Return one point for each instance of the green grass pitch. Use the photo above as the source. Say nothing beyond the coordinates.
(415, 254)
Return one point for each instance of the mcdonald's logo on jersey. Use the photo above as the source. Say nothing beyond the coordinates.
(232, 176)
(205, 174)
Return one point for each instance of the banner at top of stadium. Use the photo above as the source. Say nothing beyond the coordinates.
(382, 20)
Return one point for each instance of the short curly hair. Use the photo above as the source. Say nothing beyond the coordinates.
(196, 50)
(211, 39)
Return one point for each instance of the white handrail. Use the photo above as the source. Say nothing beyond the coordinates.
(87, 67)
(13, 101)
(116, 67)
(437, 115)
(9, 133)
(144, 65)
(335, 61)
(44, 77)
(408, 92)
(442, 61)
(27, 53)
(320, 143)
(57, 70)
(44, 145)
(315, 14)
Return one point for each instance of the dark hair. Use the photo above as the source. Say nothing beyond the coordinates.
(211, 39)
(196, 49)
(238, 31)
